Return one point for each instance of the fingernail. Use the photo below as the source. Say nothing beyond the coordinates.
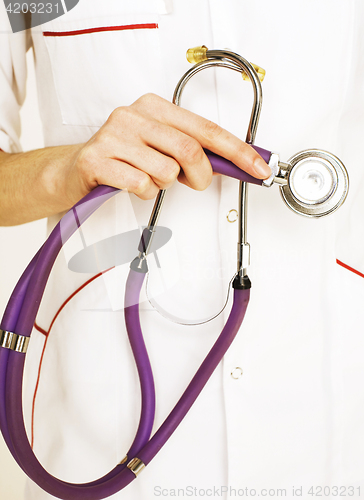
(261, 168)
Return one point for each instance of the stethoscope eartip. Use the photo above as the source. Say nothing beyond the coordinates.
(317, 183)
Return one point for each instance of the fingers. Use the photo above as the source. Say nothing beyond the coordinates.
(162, 169)
(148, 145)
(132, 179)
(176, 151)
(207, 133)
(95, 170)
(155, 148)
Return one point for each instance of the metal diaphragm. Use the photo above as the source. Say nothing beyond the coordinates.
(317, 183)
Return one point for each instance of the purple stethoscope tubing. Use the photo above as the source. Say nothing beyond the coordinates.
(20, 315)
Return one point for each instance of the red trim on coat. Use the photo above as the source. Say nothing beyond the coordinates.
(40, 329)
(147, 26)
(349, 268)
(46, 334)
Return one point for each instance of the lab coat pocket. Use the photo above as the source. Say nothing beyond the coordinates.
(104, 62)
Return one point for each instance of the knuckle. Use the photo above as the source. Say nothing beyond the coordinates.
(103, 138)
(190, 151)
(211, 130)
(84, 159)
(123, 119)
(139, 186)
(243, 151)
(170, 172)
(149, 97)
(124, 113)
(118, 113)
(147, 100)
(149, 194)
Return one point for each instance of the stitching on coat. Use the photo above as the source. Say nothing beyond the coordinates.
(349, 268)
(102, 28)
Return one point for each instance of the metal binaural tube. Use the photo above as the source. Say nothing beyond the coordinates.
(209, 63)
(243, 257)
(249, 70)
(231, 60)
(243, 245)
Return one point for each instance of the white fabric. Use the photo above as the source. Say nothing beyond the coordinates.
(295, 416)
(12, 83)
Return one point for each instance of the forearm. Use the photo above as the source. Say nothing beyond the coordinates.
(33, 185)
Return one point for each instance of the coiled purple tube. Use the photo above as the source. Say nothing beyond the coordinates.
(19, 317)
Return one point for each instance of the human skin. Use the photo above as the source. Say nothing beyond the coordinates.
(143, 148)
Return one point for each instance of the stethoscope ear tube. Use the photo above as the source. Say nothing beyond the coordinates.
(20, 315)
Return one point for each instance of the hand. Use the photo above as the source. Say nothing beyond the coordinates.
(146, 146)
(142, 148)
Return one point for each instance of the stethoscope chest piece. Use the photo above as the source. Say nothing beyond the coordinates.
(317, 183)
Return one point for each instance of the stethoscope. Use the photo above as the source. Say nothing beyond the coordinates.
(313, 183)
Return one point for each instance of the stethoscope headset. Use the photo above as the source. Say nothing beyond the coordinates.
(313, 183)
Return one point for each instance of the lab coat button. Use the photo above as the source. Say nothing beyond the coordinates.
(232, 215)
(236, 373)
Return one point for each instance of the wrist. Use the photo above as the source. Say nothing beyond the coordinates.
(59, 178)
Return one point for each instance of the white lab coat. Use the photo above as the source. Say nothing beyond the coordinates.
(285, 407)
